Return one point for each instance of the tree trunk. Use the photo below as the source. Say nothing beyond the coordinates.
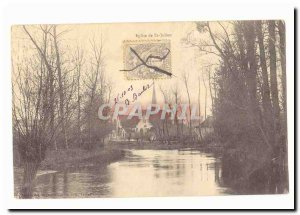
(281, 29)
(251, 80)
(176, 114)
(273, 74)
(79, 110)
(189, 100)
(251, 72)
(266, 98)
(210, 90)
(199, 91)
(284, 154)
(61, 90)
(51, 105)
(79, 123)
(205, 104)
(30, 170)
(190, 111)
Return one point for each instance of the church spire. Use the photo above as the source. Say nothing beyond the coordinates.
(153, 94)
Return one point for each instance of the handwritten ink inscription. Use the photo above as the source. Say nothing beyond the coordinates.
(129, 95)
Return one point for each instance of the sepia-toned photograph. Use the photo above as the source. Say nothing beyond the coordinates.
(157, 109)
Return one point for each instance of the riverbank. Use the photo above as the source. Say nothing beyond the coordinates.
(80, 158)
(214, 147)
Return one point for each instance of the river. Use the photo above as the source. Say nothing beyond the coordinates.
(141, 173)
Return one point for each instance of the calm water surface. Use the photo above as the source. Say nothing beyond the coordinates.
(140, 173)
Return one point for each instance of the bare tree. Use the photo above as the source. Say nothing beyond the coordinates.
(199, 106)
(176, 96)
(210, 86)
(167, 100)
(33, 110)
(48, 62)
(205, 100)
(185, 79)
(61, 87)
(79, 63)
(94, 83)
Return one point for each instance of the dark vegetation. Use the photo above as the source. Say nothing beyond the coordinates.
(249, 103)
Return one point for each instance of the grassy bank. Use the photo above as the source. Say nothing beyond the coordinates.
(79, 158)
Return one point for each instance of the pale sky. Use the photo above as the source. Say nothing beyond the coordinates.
(183, 58)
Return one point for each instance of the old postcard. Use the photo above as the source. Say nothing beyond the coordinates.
(149, 109)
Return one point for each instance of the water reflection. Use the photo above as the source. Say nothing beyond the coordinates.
(167, 173)
(141, 173)
(92, 182)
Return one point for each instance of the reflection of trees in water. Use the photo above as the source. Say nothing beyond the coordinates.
(217, 173)
(65, 183)
(90, 182)
(54, 184)
(170, 168)
(266, 179)
(97, 185)
(47, 185)
(196, 165)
